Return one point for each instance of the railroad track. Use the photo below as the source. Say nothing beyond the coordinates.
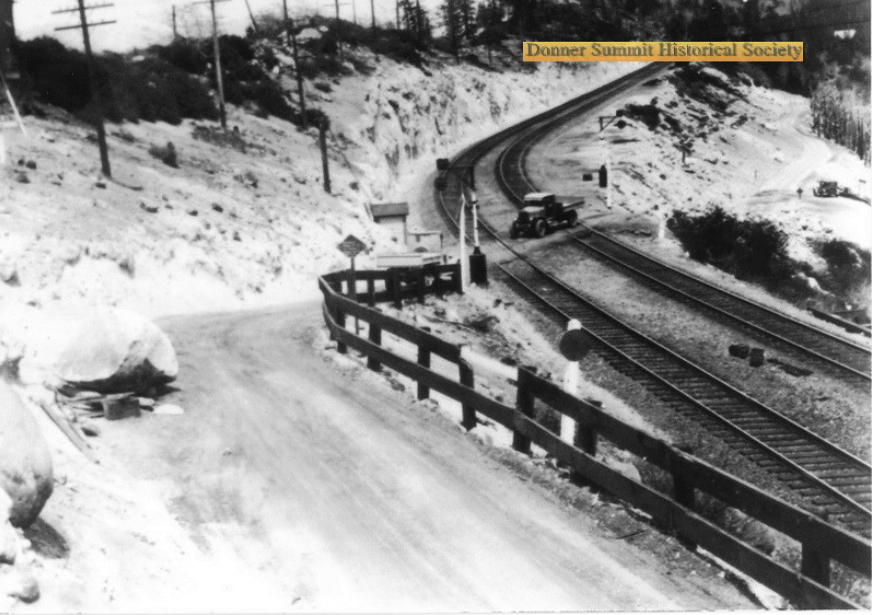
(836, 355)
(830, 482)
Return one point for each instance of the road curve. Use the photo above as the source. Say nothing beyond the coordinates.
(344, 495)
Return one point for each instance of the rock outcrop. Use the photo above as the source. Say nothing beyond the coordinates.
(25, 460)
(118, 350)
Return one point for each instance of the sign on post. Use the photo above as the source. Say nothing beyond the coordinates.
(351, 246)
(575, 344)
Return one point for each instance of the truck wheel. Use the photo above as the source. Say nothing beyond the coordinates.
(513, 231)
(571, 219)
(540, 228)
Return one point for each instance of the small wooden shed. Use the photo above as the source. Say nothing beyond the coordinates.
(393, 216)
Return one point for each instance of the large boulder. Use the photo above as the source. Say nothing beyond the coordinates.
(25, 460)
(117, 350)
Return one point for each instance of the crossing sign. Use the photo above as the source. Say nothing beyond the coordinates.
(351, 246)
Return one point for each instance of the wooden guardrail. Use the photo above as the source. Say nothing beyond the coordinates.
(821, 542)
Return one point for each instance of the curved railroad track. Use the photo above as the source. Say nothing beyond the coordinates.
(831, 482)
(836, 355)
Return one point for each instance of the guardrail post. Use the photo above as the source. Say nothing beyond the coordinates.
(423, 361)
(584, 438)
(467, 378)
(374, 337)
(419, 282)
(684, 495)
(370, 292)
(341, 348)
(525, 403)
(815, 566)
(396, 289)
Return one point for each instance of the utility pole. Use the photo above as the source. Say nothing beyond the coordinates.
(292, 42)
(92, 79)
(397, 5)
(222, 113)
(372, 10)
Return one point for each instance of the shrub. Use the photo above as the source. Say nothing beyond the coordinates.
(152, 89)
(849, 267)
(185, 54)
(749, 249)
(166, 154)
(270, 98)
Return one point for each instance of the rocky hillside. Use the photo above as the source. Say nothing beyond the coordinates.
(222, 219)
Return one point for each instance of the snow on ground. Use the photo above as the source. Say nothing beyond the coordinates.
(242, 222)
(752, 148)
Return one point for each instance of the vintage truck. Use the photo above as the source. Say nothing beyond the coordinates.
(542, 213)
(829, 188)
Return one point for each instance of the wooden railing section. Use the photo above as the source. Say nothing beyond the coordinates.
(822, 543)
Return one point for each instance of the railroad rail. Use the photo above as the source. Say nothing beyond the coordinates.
(838, 355)
(830, 482)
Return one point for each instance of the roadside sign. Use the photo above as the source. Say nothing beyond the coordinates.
(351, 246)
(575, 344)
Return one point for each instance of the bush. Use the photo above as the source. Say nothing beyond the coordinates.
(152, 89)
(166, 154)
(849, 267)
(749, 249)
(184, 54)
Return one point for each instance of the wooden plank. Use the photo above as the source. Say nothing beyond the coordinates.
(467, 379)
(836, 543)
(525, 401)
(375, 338)
(797, 588)
(423, 361)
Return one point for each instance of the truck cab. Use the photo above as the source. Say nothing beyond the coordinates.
(541, 213)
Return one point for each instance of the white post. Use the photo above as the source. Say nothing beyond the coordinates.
(464, 261)
(2, 147)
(570, 385)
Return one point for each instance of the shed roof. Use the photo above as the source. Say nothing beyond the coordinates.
(383, 210)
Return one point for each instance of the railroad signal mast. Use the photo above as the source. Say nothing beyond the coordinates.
(84, 25)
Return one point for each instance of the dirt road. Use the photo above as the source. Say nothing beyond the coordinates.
(339, 493)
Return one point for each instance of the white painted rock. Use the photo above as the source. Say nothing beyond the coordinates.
(25, 461)
(169, 410)
(118, 350)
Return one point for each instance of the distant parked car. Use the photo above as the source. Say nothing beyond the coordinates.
(827, 188)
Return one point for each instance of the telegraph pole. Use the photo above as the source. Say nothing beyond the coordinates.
(292, 42)
(372, 10)
(175, 28)
(222, 113)
(92, 80)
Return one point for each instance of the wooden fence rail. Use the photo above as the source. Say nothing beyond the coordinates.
(821, 542)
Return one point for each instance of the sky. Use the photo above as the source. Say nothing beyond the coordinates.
(144, 22)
